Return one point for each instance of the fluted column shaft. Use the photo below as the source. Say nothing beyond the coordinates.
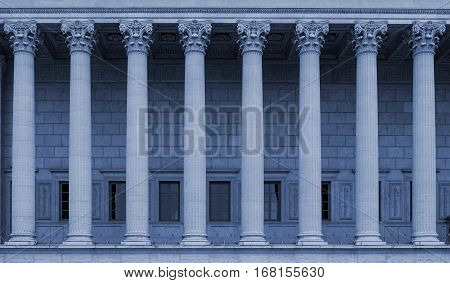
(424, 42)
(137, 38)
(23, 40)
(194, 39)
(310, 40)
(366, 177)
(252, 40)
(367, 38)
(79, 38)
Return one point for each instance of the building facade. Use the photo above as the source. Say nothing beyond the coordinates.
(260, 132)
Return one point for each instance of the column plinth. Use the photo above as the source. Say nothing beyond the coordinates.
(137, 38)
(80, 40)
(424, 41)
(310, 40)
(23, 39)
(367, 39)
(252, 39)
(194, 38)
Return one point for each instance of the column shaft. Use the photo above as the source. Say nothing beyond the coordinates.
(194, 149)
(424, 151)
(310, 184)
(23, 152)
(366, 177)
(252, 153)
(137, 192)
(80, 167)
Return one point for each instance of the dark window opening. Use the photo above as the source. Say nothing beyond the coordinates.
(272, 201)
(117, 201)
(169, 201)
(379, 201)
(410, 201)
(219, 201)
(325, 200)
(63, 201)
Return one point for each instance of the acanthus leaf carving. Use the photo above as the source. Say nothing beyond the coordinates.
(367, 36)
(194, 35)
(137, 35)
(252, 35)
(80, 35)
(24, 35)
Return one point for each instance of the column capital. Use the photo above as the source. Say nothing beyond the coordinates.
(252, 35)
(309, 35)
(194, 35)
(367, 36)
(425, 36)
(137, 35)
(24, 35)
(80, 35)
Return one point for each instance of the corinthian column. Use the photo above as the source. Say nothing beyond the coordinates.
(367, 40)
(23, 39)
(310, 40)
(252, 39)
(80, 40)
(424, 41)
(137, 37)
(194, 38)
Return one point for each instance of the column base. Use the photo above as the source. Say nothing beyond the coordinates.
(21, 240)
(311, 240)
(136, 240)
(253, 240)
(78, 240)
(426, 240)
(368, 240)
(195, 240)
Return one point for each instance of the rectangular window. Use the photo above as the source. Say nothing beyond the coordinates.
(63, 201)
(380, 201)
(169, 201)
(219, 201)
(117, 201)
(325, 200)
(272, 201)
(410, 201)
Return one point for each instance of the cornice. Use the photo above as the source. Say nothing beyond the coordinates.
(224, 10)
